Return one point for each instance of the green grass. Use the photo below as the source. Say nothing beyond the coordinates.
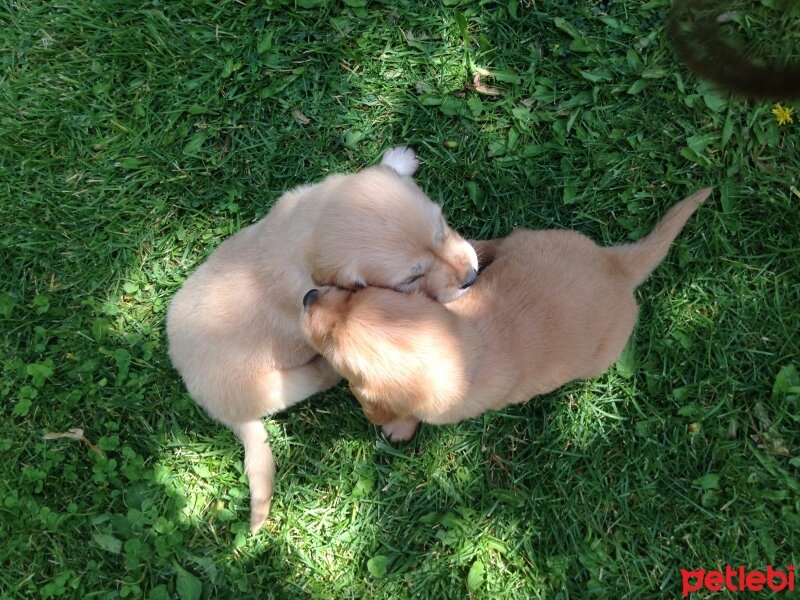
(134, 140)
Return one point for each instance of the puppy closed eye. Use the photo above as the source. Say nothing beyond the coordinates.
(412, 279)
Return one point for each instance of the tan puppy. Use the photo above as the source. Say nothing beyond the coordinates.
(234, 327)
(550, 307)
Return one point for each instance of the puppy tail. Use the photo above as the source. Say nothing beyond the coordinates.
(260, 468)
(639, 259)
(401, 159)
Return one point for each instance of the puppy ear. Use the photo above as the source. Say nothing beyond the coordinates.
(486, 251)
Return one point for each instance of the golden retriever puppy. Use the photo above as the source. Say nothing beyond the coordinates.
(234, 327)
(550, 307)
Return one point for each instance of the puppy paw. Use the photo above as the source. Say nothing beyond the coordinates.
(326, 375)
(402, 159)
(400, 431)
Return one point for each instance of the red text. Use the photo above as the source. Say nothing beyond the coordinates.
(737, 580)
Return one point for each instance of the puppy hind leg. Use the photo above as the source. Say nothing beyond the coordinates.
(260, 468)
(287, 387)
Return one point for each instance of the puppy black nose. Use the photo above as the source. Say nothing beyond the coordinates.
(472, 276)
(309, 298)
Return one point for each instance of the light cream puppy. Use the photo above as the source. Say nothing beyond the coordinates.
(234, 327)
(550, 307)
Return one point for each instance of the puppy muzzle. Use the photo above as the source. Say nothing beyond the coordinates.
(472, 277)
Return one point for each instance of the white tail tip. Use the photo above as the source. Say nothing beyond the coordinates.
(402, 159)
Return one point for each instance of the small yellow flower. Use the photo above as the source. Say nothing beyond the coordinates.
(783, 114)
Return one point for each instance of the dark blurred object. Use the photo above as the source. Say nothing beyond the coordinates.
(704, 33)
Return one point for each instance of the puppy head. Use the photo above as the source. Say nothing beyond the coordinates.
(356, 330)
(398, 351)
(379, 229)
(324, 310)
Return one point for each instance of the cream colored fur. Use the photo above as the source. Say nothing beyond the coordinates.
(234, 327)
(550, 307)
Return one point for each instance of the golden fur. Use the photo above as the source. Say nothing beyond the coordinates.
(234, 327)
(550, 307)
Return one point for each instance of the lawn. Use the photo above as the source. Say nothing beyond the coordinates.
(135, 137)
